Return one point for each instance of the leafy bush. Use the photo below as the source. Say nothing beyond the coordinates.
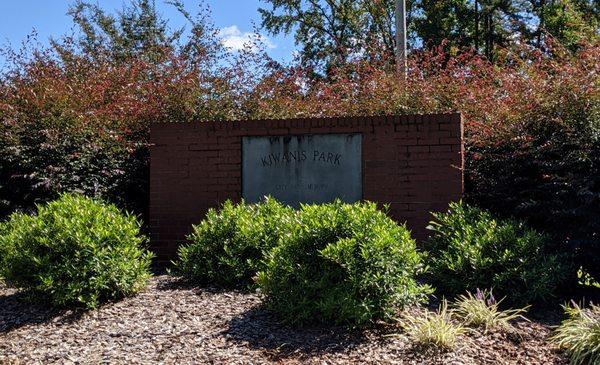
(471, 249)
(550, 176)
(74, 251)
(432, 329)
(75, 116)
(227, 248)
(579, 334)
(342, 263)
(41, 159)
(482, 310)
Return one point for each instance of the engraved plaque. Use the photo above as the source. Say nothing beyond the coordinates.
(302, 169)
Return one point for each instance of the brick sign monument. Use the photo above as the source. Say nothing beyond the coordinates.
(412, 163)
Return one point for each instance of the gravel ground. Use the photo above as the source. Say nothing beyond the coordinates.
(170, 323)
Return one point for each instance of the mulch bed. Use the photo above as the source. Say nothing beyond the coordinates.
(172, 323)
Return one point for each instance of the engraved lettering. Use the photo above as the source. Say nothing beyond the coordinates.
(337, 159)
(297, 169)
(297, 156)
(264, 162)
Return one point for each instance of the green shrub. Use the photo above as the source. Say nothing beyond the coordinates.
(549, 176)
(74, 251)
(579, 334)
(227, 248)
(470, 249)
(342, 263)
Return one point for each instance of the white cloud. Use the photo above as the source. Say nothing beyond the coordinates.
(233, 38)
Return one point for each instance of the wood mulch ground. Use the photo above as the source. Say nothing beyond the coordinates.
(171, 323)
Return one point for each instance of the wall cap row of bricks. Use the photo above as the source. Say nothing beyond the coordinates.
(332, 122)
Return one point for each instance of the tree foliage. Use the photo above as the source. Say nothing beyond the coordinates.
(139, 31)
(332, 31)
(570, 21)
(75, 116)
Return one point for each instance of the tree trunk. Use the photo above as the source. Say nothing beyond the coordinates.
(477, 25)
(401, 37)
(491, 35)
(486, 27)
(542, 24)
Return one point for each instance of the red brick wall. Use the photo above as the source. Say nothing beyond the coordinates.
(413, 163)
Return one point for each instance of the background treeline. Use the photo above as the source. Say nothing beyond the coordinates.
(333, 31)
(75, 115)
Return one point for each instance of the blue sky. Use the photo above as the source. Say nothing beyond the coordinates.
(236, 18)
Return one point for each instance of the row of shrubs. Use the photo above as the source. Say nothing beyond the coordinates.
(353, 264)
(331, 263)
(335, 262)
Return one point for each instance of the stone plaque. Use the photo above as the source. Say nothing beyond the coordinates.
(302, 169)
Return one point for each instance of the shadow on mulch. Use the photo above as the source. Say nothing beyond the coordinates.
(176, 283)
(18, 310)
(260, 329)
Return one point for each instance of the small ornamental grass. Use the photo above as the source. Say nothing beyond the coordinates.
(579, 334)
(435, 330)
(342, 263)
(228, 247)
(482, 310)
(75, 250)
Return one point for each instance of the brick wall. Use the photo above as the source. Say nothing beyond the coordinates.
(413, 163)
